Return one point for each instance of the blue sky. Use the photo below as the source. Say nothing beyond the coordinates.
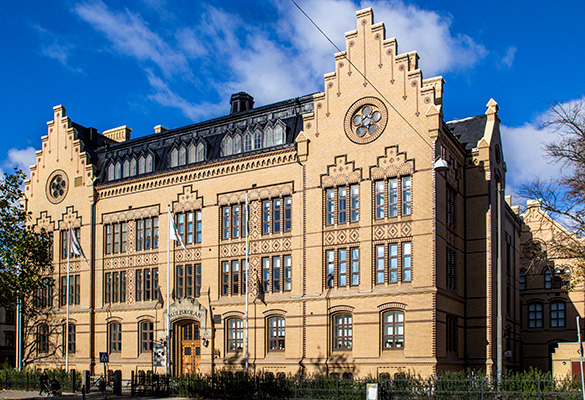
(147, 62)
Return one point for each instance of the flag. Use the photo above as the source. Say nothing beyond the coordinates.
(74, 246)
(174, 232)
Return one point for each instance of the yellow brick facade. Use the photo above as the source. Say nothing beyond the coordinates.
(448, 231)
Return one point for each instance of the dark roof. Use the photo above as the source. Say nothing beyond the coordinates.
(91, 139)
(468, 130)
(210, 133)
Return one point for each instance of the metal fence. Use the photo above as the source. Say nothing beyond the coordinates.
(26, 380)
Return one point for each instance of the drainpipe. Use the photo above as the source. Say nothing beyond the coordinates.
(499, 354)
(94, 199)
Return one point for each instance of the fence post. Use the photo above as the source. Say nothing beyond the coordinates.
(539, 388)
(132, 383)
(73, 381)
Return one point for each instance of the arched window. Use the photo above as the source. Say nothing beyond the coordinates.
(342, 331)
(535, 315)
(149, 163)
(111, 176)
(200, 152)
(227, 146)
(141, 165)
(174, 157)
(182, 156)
(237, 144)
(257, 139)
(557, 314)
(126, 169)
(278, 135)
(547, 279)
(235, 334)
(118, 171)
(276, 334)
(248, 141)
(393, 330)
(146, 336)
(192, 154)
(268, 137)
(133, 167)
(115, 337)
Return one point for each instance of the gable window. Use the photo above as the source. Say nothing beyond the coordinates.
(111, 175)
(257, 139)
(149, 163)
(118, 170)
(278, 135)
(342, 331)
(227, 146)
(126, 169)
(237, 144)
(182, 156)
(192, 154)
(393, 330)
(248, 141)
(276, 334)
(200, 152)
(268, 137)
(235, 334)
(141, 165)
(174, 157)
(557, 314)
(115, 337)
(146, 336)
(535, 315)
(342, 205)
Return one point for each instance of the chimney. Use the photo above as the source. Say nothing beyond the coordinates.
(241, 101)
(119, 134)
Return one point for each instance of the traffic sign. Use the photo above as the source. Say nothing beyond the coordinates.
(104, 357)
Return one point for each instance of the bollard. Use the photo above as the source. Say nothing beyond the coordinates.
(117, 383)
(86, 381)
(72, 380)
(132, 383)
(82, 392)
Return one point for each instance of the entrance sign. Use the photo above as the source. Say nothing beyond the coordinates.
(159, 354)
(372, 391)
(104, 357)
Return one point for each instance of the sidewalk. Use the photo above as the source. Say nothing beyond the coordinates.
(23, 394)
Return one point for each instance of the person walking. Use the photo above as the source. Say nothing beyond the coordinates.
(43, 382)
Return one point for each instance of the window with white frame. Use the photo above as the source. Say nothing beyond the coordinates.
(393, 329)
(393, 197)
(276, 333)
(393, 262)
(276, 274)
(343, 267)
(342, 204)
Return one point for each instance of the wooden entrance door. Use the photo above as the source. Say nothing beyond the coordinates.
(190, 348)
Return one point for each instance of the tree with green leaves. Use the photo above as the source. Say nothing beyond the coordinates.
(25, 262)
(563, 198)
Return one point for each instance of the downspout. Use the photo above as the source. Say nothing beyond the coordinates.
(94, 199)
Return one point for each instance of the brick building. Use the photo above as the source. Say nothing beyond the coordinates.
(368, 255)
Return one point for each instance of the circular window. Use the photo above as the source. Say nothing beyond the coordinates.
(365, 120)
(57, 186)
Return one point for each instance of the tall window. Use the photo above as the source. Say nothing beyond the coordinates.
(70, 337)
(232, 282)
(452, 333)
(141, 165)
(391, 265)
(235, 334)
(43, 339)
(115, 287)
(276, 334)
(188, 280)
(200, 152)
(126, 169)
(111, 172)
(535, 315)
(147, 284)
(547, 278)
(406, 262)
(451, 269)
(268, 137)
(393, 330)
(522, 279)
(393, 197)
(278, 135)
(74, 290)
(277, 215)
(115, 337)
(557, 314)
(147, 233)
(227, 146)
(133, 167)
(182, 156)
(257, 139)
(232, 221)
(65, 242)
(276, 274)
(451, 207)
(248, 141)
(189, 225)
(343, 267)
(118, 170)
(146, 336)
(116, 238)
(342, 331)
(149, 163)
(342, 205)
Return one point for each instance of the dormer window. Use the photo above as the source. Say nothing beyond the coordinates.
(133, 167)
(192, 155)
(227, 146)
(111, 172)
(118, 171)
(141, 165)
(149, 160)
(268, 137)
(278, 135)
(182, 156)
(174, 157)
(237, 144)
(248, 141)
(257, 139)
(200, 152)
(126, 169)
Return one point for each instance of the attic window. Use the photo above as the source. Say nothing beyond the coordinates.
(278, 135)
(200, 152)
(182, 156)
(174, 158)
(141, 165)
(149, 166)
(237, 144)
(111, 172)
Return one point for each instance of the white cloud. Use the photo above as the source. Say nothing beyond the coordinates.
(508, 60)
(55, 47)
(19, 158)
(131, 36)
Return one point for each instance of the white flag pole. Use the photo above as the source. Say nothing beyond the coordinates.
(69, 233)
(171, 229)
(247, 274)
(581, 357)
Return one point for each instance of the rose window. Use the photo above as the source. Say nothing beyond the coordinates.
(57, 186)
(365, 120)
